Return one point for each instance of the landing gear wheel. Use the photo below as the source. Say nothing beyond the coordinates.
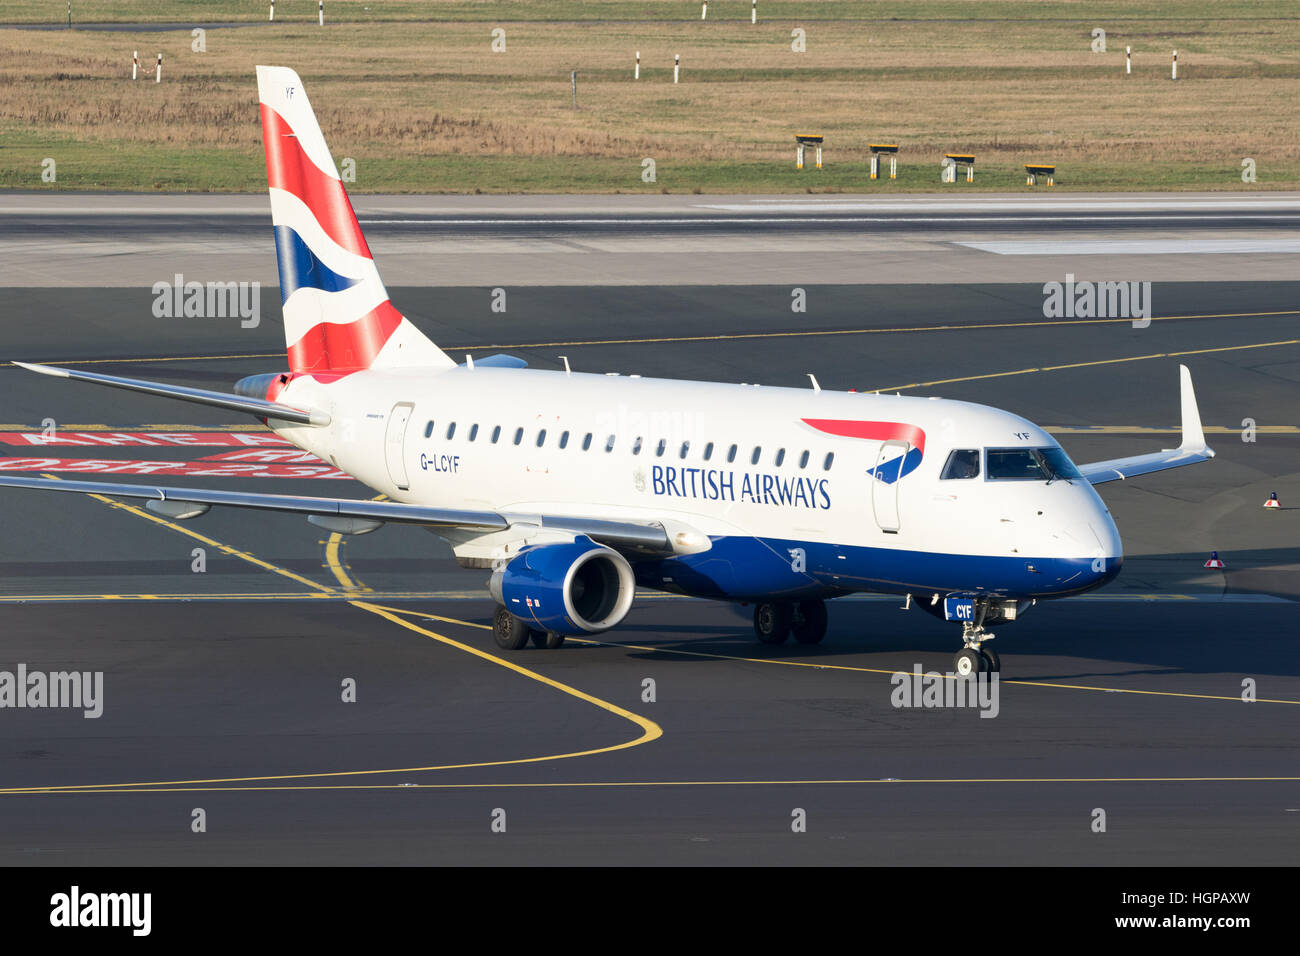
(510, 632)
(809, 622)
(772, 622)
(991, 659)
(968, 662)
(548, 640)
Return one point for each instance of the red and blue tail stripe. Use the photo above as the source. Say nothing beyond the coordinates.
(337, 315)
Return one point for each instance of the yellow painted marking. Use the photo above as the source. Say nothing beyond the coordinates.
(332, 595)
(1152, 430)
(803, 333)
(864, 670)
(337, 566)
(1055, 368)
(650, 731)
(333, 561)
(642, 784)
(210, 542)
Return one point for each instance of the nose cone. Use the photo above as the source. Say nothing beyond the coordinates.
(1101, 556)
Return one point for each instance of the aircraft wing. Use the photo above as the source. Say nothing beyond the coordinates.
(356, 517)
(201, 396)
(1192, 449)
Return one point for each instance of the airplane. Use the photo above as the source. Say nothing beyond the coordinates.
(574, 489)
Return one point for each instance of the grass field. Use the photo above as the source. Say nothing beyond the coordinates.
(426, 106)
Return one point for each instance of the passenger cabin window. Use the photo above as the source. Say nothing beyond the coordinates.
(1029, 464)
(519, 435)
(962, 463)
(586, 441)
(636, 445)
(451, 430)
(609, 443)
(428, 430)
(803, 459)
(708, 451)
(541, 438)
(758, 452)
(830, 460)
(473, 431)
(731, 453)
(780, 457)
(564, 439)
(661, 447)
(686, 446)
(496, 434)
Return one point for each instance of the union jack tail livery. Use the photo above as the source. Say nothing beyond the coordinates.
(337, 316)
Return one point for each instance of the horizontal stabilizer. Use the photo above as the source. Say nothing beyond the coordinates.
(500, 360)
(200, 396)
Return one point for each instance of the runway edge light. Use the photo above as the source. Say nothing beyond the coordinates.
(1214, 561)
(1272, 501)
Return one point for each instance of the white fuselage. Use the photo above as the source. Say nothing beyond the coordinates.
(522, 441)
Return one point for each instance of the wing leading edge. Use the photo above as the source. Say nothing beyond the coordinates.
(355, 517)
(1192, 449)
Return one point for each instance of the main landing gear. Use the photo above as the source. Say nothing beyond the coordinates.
(775, 621)
(975, 658)
(512, 633)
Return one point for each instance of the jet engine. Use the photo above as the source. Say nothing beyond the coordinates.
(576, 587)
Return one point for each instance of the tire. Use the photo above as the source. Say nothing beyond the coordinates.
(552, 640)
(510, 632)
(772, 622)
(968, 662)
(991, 659)
(809, 624)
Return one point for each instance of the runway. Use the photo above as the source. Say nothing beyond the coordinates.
(223, 687)
(111, 240)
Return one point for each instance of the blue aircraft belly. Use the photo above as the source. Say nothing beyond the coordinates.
(739, 568)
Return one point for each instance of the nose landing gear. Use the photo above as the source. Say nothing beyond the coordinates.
(974, 657)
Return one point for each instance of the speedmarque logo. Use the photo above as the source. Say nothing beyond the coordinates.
(74, 909)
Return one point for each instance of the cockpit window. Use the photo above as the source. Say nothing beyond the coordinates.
(962, 463)
(1030, 464)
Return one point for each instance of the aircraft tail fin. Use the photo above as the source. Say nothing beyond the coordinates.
(337, 315)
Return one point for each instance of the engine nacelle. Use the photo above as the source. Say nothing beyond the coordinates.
(577, 587)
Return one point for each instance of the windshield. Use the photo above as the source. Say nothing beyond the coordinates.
(1030, 464)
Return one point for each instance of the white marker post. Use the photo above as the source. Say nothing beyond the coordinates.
(1175, 68)
(637, 74)
(704, 14)
(272, 17)
(753, 11)
(320, 10)
(135, 64)
(158, 77)
(677, 65)
(1128, 60)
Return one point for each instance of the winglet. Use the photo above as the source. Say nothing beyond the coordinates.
(1193, 434)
